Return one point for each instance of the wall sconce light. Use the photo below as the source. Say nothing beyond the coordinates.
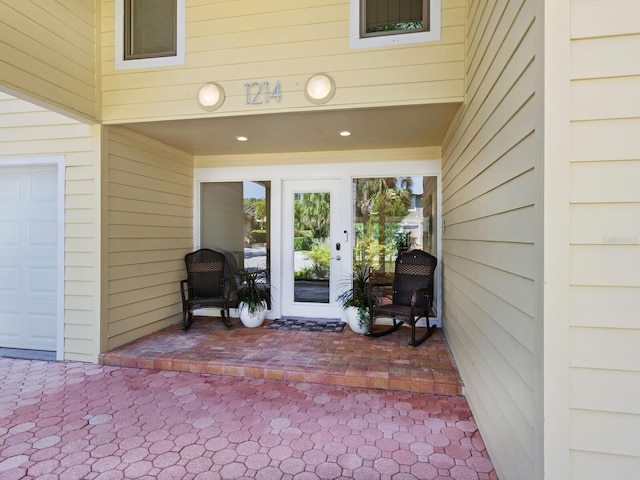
(320, 88)
(211, 96)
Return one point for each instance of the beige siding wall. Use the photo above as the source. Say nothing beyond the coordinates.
(491, 206)
(149, 228)
(237, 42)
(311, 158)
(605, 239)
(49, 53)
(29, 130)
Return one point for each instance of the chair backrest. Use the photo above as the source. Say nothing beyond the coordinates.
(414, 269)
(205, 273)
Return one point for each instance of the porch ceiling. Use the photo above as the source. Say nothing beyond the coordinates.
(371, 128)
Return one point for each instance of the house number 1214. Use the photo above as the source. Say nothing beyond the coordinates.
(256, 93)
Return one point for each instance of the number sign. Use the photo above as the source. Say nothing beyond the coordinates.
(257, 93)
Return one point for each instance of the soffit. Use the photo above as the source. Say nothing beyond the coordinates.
(371, 128)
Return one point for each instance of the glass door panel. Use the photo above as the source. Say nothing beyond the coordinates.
(391, 215)
(312, 225)
(235, 219)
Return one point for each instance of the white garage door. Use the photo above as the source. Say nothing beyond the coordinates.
(28, 253)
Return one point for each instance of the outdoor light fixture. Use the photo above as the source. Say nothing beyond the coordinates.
(320, 88)
(241, 138)
(344, 133)
(211, 96)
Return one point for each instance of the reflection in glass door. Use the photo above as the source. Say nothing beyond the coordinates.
(311, 253)
(312, 222)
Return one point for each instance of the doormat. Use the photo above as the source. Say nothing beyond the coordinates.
(306, 325)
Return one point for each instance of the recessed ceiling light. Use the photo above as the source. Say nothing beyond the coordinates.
(242, 138)
(344, 133)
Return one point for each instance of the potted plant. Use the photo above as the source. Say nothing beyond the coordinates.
(252, 296)
(355, 299)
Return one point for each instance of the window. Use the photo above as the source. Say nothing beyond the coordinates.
(376, 23)
(149, 33)
(393, 17)
(149, 28)
(235, 218)
(389, 219)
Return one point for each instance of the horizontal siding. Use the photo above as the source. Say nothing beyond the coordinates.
(597, 140)
(622, 185)
(610, 265)
(616, 307)
(486, 138)
(244, 41)
(496, 381)
(310, 158)
(621, 101)
(515, 290)
(28, 130)
(604, 224)
(492, 228)
(149, 219)
(590, 390)
(604, 18)
(605, 432)
(618, 348)
(508, 356)
(591, 58)
(605, 238)
(48, 53)
(599, 465)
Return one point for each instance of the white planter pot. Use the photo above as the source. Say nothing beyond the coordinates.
(354, 322)
(252, 320)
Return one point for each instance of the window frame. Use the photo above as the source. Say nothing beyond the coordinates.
(402, 37)
(178, 59)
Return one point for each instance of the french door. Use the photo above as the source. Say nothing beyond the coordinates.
(312, 250)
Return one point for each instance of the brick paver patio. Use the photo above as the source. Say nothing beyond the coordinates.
(82, 421)
(345, 358)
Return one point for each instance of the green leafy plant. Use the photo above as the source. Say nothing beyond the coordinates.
(368, 250)
(302, 241)
(320, 258)
(356, 292)
(258, 236)
(252, 289)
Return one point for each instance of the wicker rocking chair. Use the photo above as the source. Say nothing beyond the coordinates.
(412, 296)
(205, 285)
